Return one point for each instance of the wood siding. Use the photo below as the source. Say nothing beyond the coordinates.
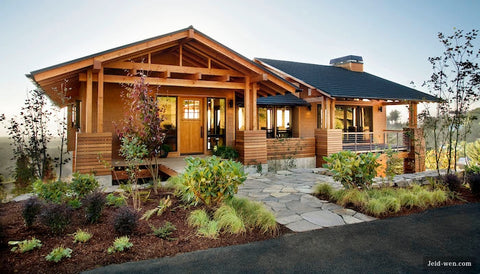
(278, 149)
(91, 148)
(328, 141)
(252, 146)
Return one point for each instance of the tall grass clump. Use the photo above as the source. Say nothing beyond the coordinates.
(353, 196)
(228, 220)
(254, 214)
(375, 207)
(324, 189)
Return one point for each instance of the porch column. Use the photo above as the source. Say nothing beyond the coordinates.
(254, 106)
(89, 103)
(332, 114)
(247, 103)
(412, 115)
(100, 102)
(323, 114)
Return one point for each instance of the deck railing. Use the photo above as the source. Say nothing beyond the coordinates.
(396, 140)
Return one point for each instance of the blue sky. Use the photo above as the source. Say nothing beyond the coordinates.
(395, 38)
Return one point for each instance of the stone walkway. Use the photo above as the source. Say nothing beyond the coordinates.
(287, 194)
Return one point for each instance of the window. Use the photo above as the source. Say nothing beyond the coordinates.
(75, 115)
(215, 122)
(191, 109)
(319, 116)
(241, 118)
(276, 121)
(168, 106)
(354, 118)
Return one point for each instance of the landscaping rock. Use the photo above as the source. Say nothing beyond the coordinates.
(302, 226)
(323, 218)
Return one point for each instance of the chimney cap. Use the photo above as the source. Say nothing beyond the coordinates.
(347, 59)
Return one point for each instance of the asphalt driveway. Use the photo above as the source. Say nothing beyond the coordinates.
(395, 245)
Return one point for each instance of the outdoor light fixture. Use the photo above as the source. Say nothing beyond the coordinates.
(230, 103)
(380, 109)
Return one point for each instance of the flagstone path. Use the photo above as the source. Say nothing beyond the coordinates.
(287, 194)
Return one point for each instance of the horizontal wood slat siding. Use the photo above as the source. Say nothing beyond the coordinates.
(90, 148)
(252, 146)
(290, 148)
(328, 141)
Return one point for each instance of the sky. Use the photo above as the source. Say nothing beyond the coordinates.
(395, 38)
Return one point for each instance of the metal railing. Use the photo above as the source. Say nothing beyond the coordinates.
(396, 140)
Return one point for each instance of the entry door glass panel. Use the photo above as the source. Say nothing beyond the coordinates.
(191, 126)
(168, 108)
(216, 121)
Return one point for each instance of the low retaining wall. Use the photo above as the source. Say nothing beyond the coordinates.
(405, 180)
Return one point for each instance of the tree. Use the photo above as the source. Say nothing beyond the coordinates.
(456, 81)
(394, 116)
(143, 124)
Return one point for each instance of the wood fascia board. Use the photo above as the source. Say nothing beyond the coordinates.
(172, 68)
(166, 81)
(63, 70)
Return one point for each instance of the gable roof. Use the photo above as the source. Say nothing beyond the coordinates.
(343, 83)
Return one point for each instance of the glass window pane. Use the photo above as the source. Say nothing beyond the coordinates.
(216, 121)
(319, 115)
(168, 106)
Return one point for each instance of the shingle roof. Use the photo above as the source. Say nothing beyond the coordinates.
(282, 100)
(343, 83)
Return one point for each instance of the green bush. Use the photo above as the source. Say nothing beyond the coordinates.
(474, 183)
(58, 253)
(83, 184)
(164, 232)
(94, 204)
(116, 201)
(452, 182)
(25, 245)
(120, 244)
(353, 170)
(226, 152)
(54, 191)
(81, 236)
(31, 208)
(56, 216)
(212, 180)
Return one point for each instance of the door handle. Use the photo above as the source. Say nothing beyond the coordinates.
(201, 132)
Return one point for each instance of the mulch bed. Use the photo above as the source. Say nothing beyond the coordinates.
(464, 194)
(93, 254)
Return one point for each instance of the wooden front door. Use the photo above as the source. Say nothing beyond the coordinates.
(191, 126)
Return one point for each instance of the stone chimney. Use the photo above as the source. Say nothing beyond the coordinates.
(350, 62)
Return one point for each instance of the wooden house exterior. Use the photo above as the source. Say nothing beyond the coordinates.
(212, 96)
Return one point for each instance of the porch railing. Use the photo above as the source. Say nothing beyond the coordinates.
(396, 140)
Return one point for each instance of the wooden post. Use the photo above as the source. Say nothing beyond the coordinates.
(100, 102)
(89, 103)
(332, 114)
(180, 55)
(412, 114)
(254, 106)
(247, 100)
(324, 120)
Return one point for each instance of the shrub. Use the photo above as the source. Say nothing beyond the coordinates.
(115, 201)
(324, 189)
(81, 236)
(228, 220)
(354, 197)
(56, 216)
(58, 253)
(375, 207)
(452, 182)
(83, 184)
(212, 180)
(31, 208)
(125, 221)
(225, 152)
(94, 204)
(474, 183)
(120, 244)
(25, 245)
(164, 232)
(394, 164)
(163, 204)
(391, 203)
(254, 214)
(181, 190)
(353, 170)
(210, 230)
(198, 218)
(54, 191)
(75, 203)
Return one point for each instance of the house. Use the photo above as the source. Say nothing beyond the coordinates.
(268, 109)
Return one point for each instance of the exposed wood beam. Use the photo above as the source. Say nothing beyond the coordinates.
(259, 78)
(191, 34)
(254, 106)
(221, 78)
(166, 82)
(89, 103)
(97, 65)
(171, 68)
(63, 69)
(275, 88)
(195, 76)
(203, 53)
(180, 55)
(247, 104)
(165, 74)
(268, 90)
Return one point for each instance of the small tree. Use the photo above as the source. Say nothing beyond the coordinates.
(143, 124)
(455, 80)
